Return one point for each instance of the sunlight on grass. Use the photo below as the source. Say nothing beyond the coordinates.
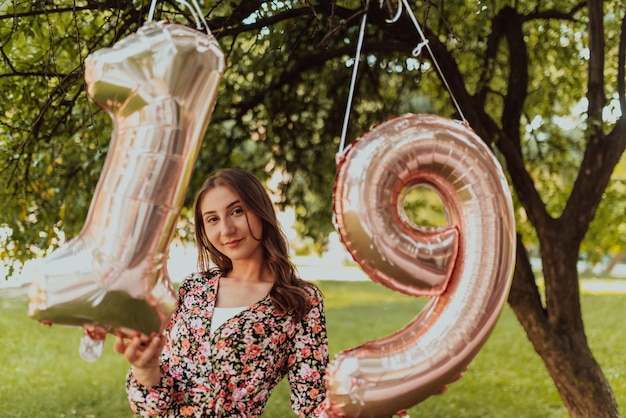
(43, 375)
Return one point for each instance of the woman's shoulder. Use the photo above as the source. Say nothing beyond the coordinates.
(314, 293)
(200, 278)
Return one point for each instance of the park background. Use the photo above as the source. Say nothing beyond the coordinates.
(45, 377)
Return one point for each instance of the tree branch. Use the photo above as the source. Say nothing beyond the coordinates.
(602, 152)
(517, 84)
(557, 14)
(292, 73)
(508, 23)
(595, 83)
(493, 39)
(223, 26)
(621, 67)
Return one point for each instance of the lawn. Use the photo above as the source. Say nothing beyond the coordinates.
(43, 375)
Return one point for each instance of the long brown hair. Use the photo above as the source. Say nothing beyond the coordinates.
(289, 291)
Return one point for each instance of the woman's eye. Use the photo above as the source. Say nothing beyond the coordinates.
(237, 211)
(210, 220)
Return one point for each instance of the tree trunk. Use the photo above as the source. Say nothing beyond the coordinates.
(558, 337)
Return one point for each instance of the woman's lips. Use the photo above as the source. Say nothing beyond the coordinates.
(232, 244)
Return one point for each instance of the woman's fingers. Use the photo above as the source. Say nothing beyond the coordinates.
(140, 352)
(151, 351)
(144, 355)
(119, 345)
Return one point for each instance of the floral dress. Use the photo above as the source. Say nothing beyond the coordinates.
(232, 372)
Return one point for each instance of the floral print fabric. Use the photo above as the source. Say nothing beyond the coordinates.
(231, 373)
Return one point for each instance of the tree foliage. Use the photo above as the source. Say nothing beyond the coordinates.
(541, 82)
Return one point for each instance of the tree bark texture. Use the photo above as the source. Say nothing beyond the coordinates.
(558, 336)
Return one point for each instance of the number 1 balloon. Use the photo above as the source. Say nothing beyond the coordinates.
(465, 267)
(159, 85)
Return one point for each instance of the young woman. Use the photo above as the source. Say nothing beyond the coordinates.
(242, 323)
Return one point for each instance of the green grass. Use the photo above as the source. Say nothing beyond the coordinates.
(43, 375)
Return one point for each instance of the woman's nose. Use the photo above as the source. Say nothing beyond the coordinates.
(228, 226)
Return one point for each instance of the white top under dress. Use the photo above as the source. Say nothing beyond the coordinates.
(221, 315)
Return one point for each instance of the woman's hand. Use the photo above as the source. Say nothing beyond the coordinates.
(143, 354)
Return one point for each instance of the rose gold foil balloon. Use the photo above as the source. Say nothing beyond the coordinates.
(465, 267)
(159, 86)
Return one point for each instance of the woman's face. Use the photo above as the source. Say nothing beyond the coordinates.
(232, 229)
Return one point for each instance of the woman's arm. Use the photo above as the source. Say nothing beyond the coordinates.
(149, 390)
(149, 384)
(308, 360)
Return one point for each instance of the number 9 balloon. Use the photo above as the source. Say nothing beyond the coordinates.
(159, 86)
(465, 267)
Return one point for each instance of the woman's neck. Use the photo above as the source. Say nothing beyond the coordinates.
(251, 271)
